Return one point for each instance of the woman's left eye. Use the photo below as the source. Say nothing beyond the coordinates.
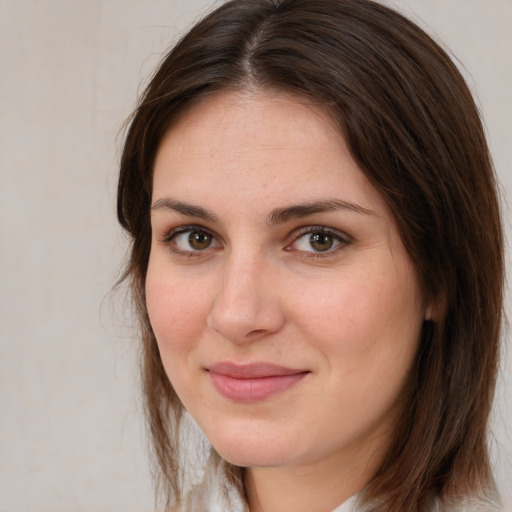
(318, 240)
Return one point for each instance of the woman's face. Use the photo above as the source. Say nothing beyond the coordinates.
(285, 306)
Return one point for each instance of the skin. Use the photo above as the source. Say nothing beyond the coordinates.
(261, 292)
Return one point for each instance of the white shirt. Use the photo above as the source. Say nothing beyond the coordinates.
(215, 494)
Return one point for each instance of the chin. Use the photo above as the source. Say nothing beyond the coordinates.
(257, 458)
(255, 451)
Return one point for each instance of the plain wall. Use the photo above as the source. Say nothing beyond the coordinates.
(71, 430)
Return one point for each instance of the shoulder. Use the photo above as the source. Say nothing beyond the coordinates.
(489, 501)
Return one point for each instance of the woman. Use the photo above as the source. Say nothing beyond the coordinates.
(316, 261)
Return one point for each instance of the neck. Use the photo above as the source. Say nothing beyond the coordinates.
(321, 486)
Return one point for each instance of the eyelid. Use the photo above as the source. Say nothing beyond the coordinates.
(340, 236)
(171, 235)
(343, 239)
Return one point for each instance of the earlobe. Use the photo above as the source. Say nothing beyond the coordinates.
(436, 308)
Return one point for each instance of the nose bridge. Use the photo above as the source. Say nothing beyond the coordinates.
(246, 304)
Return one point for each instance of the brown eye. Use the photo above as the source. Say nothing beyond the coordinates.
(190, 240)
(199, 240)
(321, 241)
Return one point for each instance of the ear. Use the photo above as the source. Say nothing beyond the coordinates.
(436, 308)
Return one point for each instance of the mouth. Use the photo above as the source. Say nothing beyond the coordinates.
(253, 382)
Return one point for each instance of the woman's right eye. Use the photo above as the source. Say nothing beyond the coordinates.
(190, 240)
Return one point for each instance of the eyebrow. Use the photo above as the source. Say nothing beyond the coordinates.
(185, 209)
(281, 215)
(276, 216)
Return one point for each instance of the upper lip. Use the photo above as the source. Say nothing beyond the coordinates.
(252, 370)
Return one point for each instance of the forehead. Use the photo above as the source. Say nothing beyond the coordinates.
(245, 116)
(260, 145)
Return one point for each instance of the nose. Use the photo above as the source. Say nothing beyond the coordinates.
(246, 306)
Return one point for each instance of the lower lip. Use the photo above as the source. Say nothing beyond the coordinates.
(253, 390)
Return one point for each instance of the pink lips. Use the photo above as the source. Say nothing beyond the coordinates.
(252, 382)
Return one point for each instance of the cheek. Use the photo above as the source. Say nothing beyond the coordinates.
(367, 320)
(177, 311)
(367, 332)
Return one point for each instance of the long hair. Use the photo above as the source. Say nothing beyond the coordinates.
(412, 126)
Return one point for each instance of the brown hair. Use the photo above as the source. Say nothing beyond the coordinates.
(415, 132)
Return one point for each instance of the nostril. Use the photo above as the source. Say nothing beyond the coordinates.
(256, 332)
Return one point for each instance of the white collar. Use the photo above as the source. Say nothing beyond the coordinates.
(348, 506)
(216, 494)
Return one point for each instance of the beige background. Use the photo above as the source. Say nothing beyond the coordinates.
(71, 436)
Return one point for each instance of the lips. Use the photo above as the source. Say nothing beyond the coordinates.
(253, 382)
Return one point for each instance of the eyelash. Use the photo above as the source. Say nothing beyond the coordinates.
(341, 239)
(170, 238)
